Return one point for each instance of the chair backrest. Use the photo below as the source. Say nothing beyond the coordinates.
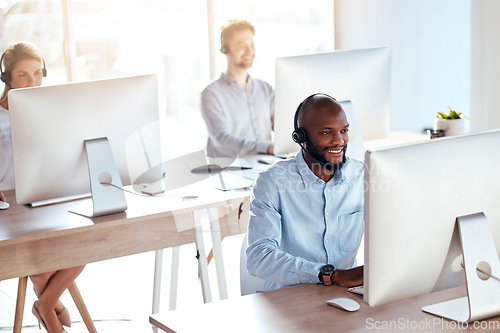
(248, 284)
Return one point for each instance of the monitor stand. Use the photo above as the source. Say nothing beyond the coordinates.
(106, 199)
(483, 289)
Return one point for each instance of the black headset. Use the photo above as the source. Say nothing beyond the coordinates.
(299, 133)
(5, 76)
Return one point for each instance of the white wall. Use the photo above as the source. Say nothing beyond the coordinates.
(431, 58)
(485, 74)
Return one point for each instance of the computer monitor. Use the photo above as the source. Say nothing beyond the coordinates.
(413, 197)
(361, 76)
(49, 125)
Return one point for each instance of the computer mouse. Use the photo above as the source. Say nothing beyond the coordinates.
(4, 205)
(343, 303)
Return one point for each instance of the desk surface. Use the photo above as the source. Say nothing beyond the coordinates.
(36, 240)
(303, 308)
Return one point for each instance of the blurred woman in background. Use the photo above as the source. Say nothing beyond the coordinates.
(22, 66)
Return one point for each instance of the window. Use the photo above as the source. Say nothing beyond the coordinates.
(283, 28)
(111, 38)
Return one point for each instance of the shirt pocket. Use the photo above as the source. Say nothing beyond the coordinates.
(351, 227)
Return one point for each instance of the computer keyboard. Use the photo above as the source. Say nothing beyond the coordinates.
(357, 290)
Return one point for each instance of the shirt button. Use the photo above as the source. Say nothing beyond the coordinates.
(327, 242)
(327, 214)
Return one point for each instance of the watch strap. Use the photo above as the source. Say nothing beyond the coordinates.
(326, 274)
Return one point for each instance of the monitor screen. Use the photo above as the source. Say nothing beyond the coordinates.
(49, 125)
(361, 76)
(414, 194)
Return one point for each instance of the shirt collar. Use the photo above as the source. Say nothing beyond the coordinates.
(229, 79)
(226, 78)
(309, 177)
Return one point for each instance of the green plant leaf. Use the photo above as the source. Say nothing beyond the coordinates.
(442, 115)
(451, 115)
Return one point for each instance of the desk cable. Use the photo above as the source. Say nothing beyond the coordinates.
(138, 194)
(489, 275)
(185, 197)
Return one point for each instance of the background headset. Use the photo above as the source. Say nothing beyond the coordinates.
(224, 49)
(5, 76)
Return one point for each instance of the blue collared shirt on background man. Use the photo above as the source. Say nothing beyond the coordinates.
(298, 223)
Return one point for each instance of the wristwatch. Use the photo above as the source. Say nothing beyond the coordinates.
(326, 274)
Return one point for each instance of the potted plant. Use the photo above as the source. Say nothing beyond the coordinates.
(452, 123)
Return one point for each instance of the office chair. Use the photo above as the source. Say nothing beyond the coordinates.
(248, 284)
(75, 294)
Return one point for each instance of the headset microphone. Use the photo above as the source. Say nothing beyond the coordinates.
(328, 166)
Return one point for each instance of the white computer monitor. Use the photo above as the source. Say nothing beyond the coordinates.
(49, 125)
(413, 196)
(361, 76)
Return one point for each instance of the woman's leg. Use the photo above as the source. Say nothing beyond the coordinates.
(49, 298)
(40, 282)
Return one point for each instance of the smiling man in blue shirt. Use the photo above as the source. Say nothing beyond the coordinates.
(306, 220)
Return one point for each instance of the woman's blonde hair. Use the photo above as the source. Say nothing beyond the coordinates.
(12, 55)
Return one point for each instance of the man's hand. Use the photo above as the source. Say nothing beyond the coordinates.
(349, 277)
(2, 197)
(270, 149)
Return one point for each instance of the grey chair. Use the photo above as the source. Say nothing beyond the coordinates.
(248, 284)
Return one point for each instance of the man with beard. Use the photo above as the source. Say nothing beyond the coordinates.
(306, 219)
(237, 108)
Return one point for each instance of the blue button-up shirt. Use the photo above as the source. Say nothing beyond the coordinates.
(298, 223)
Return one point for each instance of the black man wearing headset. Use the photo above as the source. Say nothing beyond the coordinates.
(307, 212)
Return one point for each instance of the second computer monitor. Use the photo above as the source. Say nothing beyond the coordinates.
(361, 76)
(50, 124)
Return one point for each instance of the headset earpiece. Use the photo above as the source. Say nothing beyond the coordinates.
(224, 49)
(3, 76)
(44, 69)
(299, 134)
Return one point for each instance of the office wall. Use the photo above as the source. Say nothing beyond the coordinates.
(431, 57)
(485, 71)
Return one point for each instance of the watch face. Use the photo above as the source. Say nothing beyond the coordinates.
(328, 269)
